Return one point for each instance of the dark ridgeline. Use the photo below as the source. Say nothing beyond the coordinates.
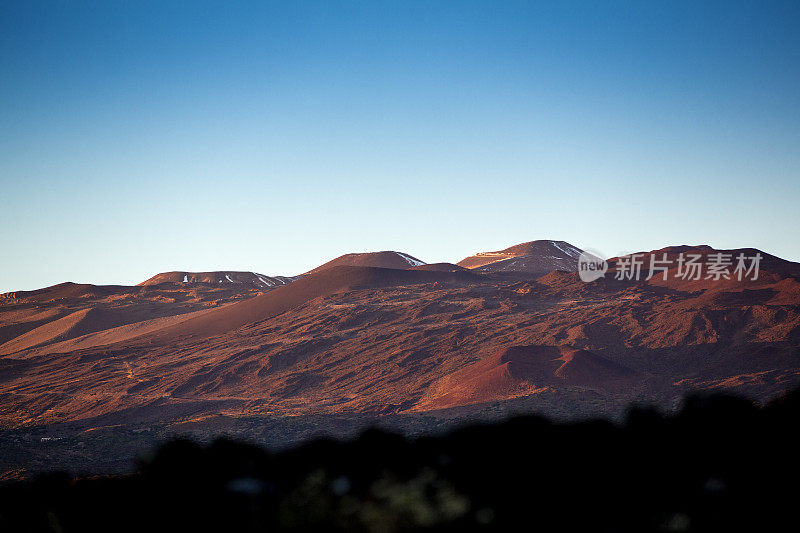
(720, 464)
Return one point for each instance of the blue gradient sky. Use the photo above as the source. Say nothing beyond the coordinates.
(137, 137)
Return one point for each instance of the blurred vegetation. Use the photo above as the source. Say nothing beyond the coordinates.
(719, 464)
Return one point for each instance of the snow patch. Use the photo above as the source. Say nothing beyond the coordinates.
(411, 261)
(186, 278)
(571, 251)
(228, 278)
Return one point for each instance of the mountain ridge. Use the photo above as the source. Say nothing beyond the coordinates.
(220, 277)
(363, 339)
(538, 256)
(383, 259)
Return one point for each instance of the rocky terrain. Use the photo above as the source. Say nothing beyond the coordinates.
(416, 348)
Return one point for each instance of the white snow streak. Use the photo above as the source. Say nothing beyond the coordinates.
(411, 261)
(570, 253)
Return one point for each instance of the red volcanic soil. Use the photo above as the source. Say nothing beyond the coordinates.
(76, 311)
(354, 339)
(530, 257)
(219, 320)
(73, 325)
(523, 370)
(322, 283)
(398, 260)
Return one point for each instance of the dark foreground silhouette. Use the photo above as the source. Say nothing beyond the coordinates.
(720, 464)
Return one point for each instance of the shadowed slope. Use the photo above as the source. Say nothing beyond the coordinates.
(440, 267)
(71, 326)
(519, 370)
(206, 323)
(322, 283)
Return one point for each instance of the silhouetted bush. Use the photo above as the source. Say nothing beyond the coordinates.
(720, 464)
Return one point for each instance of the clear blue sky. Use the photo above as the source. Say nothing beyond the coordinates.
(138, 137)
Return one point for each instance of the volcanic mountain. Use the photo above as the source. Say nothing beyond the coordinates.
(436, 341)
(386, 259)
(534, 257)
(220, 276)
(742, 271)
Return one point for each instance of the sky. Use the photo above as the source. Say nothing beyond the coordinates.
(141, 137)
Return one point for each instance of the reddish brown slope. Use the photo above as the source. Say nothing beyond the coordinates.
(61, 314)
(82, 322)
(388, 259)
(68, 290)
(226, 318)
(523, 370)
(536, 257)
(376, 340)
(324, 282)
